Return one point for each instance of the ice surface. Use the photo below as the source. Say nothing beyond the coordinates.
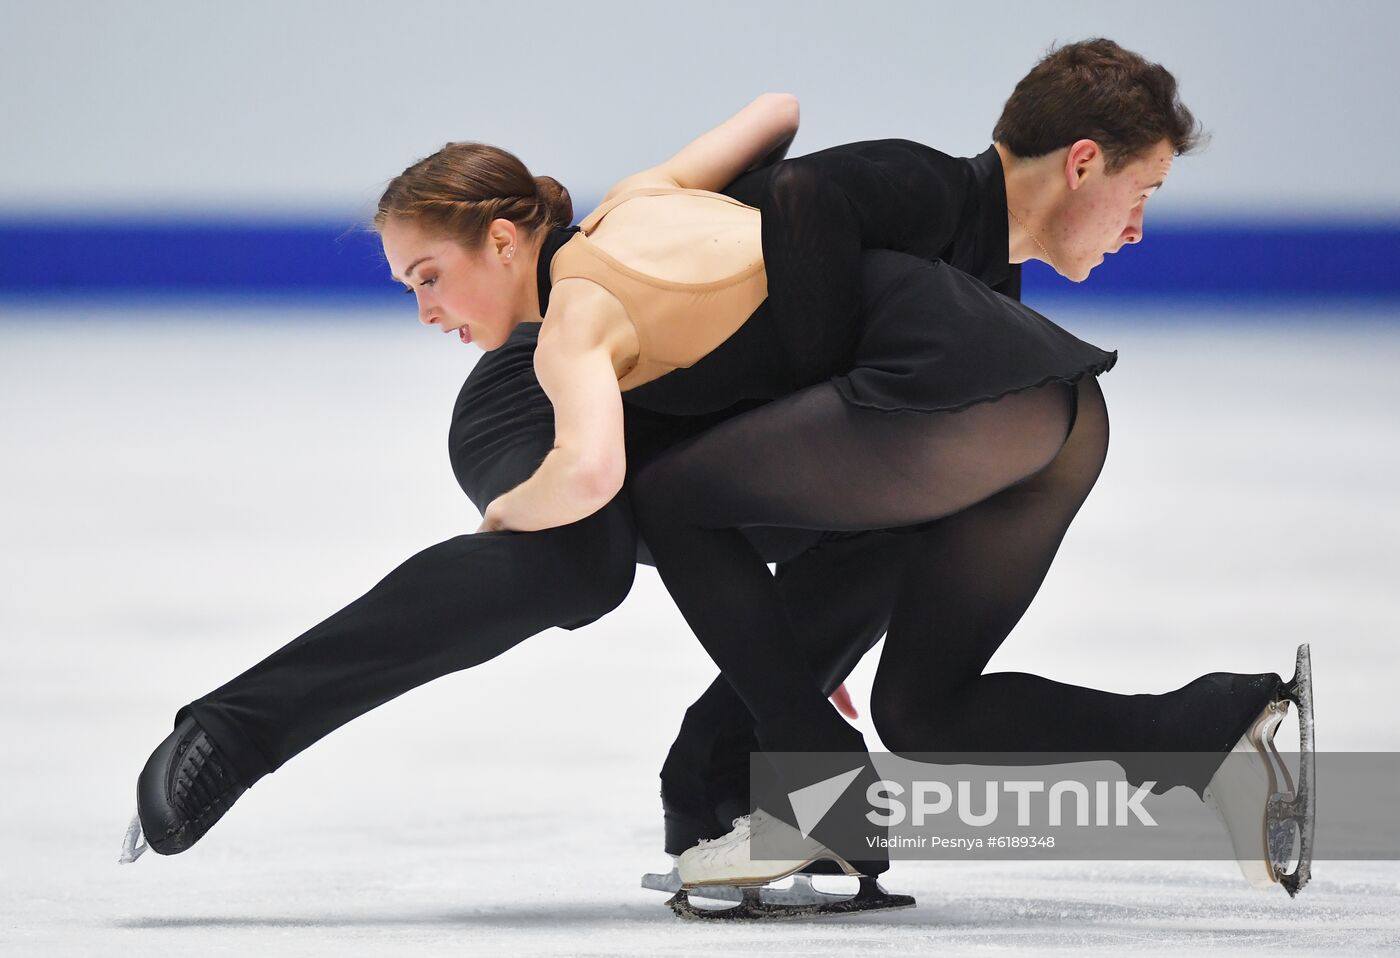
(184, 492)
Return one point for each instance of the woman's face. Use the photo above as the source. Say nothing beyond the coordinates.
(470, 292)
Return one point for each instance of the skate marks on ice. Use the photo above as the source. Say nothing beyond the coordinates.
(1031, 907)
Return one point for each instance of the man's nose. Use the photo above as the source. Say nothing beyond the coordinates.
(1134, 231)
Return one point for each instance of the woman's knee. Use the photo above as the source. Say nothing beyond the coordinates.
(902, 721)
(918, 716)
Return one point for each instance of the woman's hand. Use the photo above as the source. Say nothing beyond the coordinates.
(842, 700)
(492, 520)
(756, 136)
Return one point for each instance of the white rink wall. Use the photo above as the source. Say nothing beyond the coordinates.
(308, 107)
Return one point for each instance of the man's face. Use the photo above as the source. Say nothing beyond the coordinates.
(1103, 211)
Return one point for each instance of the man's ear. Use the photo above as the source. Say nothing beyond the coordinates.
(1083, 158)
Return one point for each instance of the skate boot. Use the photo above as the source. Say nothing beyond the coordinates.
(684, 829)
(186, 786)
(1254, 795)
(725, 860)
(723, 869)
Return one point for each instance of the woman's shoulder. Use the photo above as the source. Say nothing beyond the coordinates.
(646, 180)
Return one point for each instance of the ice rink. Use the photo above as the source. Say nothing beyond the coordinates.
(185, 491)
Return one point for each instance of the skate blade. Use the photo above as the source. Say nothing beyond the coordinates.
(1297, 811)
(761, 881)
(800, 892)
(670, 882)
(752, 907)
(134, 843)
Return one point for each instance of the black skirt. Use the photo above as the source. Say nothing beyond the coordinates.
(933, 339)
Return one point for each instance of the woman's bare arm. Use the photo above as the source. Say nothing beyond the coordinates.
(586, 467)
(757, 134)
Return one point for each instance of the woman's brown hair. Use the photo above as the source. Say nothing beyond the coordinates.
(1096, 90)
(462, 187)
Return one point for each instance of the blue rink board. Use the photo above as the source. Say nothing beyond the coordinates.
(98, 257)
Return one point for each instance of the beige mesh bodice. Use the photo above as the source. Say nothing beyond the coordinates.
(677, 323)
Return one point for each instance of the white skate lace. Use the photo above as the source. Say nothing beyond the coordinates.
(707, 842)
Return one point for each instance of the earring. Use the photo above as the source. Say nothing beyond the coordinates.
(510, 251)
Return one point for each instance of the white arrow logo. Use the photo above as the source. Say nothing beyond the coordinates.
(810, 804)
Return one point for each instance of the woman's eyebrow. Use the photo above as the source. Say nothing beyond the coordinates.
(411, 267)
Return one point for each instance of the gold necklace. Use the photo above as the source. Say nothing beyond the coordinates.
(1036, 239)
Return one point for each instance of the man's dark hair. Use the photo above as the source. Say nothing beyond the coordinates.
(1098, 91)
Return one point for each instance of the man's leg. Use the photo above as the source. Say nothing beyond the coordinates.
(838, 594)
(450, 607)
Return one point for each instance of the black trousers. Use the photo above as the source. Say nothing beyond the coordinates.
(464, 601)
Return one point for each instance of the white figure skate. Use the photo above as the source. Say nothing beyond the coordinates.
(1255, 797)
(722, 868)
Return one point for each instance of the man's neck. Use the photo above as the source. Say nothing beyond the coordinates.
(1029, 184)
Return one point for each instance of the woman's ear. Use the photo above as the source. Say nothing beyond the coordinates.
(501, 238)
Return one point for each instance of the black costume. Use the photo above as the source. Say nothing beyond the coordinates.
(840, 591)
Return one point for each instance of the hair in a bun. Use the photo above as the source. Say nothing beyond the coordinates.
(556, 200)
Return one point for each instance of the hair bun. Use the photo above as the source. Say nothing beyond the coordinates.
(556, 200)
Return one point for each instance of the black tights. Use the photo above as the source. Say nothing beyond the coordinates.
(813, 460)
(1003, 483)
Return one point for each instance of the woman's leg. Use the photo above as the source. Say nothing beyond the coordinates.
(970, 578)
(812, 460)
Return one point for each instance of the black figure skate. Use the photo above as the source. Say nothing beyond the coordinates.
(186, 786)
